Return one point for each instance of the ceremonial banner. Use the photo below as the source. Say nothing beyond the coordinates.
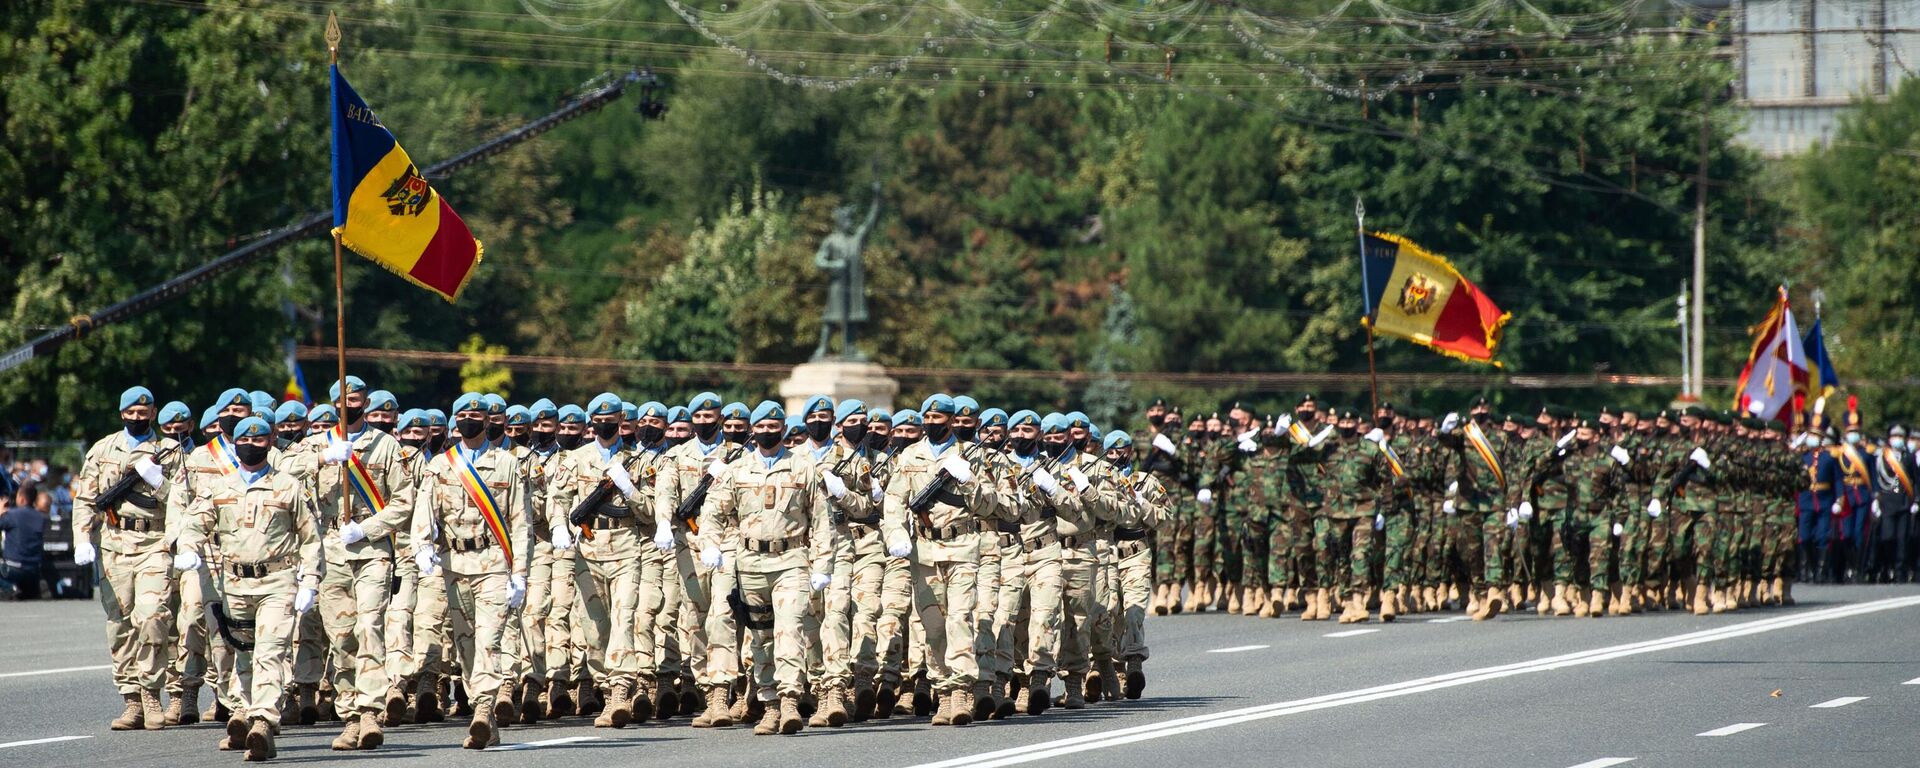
(1817, 360)
(1776, 368)
(384, 209)
(1418, 296)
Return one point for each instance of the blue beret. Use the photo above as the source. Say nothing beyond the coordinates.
(354, 384)
(291, 409)
(234, 396)
(1078, 419)
(604, 404)
(209, 416)
(518, 414)
(653, 408)
(495, 403)
(796, 423)
(880, 416)
(261, 400)
(629, 410)
(411, 417)
(252, 426)
(1116, 438)
(172, 412)
(817, 403)
(993, 417)
(906, 416)
(848, 407)
(1023, 416)
(135, 395)
(768, 410)
(382, 400)
(734, 411)
(937, 404)
(572, 414)
(323, 412)
(435, 417)
(679, 415)
(966, 406)
(469, 401)
(1093, 431)
(1053, 423)
(543, 409)
(703, 401)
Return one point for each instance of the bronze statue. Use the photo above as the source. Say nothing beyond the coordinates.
(839, 255)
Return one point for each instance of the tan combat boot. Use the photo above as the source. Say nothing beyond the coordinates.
(1621, 604)
(481, 732)
(396, 702)
(961, 701)
(371, 737)
(217, 712)
(1489, 606)
(1323, 601)
(236, 738)
(769, 719)
(1597, 605)
(176, 709)
(1159, 604)
(1308, 606)
(502, 707)
(1227, 597)
(790, 721)
(819, 719)
(1273, 604)
(260, 742)
(1577, 598)
(1076, 685)
(717, 714)
(1700, 605)
(1355, 610)
(1248, 602)
(1784, 588)
(349, 737)
(1390, 605)
(153, 716)
(1192, 603)
(1515, 595)
(640, 697)
(133, 717)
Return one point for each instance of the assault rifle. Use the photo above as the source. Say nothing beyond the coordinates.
(122, 490)
(689, 510)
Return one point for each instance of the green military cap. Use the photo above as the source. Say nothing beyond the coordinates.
(1696, 412)
(1158, 402)
(1776, 425)
(1580, 422)
(1517, 419)
(1306, 401)
(1754, 423)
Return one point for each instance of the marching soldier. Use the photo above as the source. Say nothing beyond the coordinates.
(201, 468)
(707, 631)
(852, 599)
(1143, 508)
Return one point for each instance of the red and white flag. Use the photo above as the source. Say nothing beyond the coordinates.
(1777, 368)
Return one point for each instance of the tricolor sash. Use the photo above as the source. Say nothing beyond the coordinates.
(1853, 464)
(1478, 439)
(359, 477)
(1393, 459)
(1298, 433)
(482, 499)
(1900, 472)
(222, 454)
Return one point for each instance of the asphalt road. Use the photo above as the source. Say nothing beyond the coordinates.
(1780, 684)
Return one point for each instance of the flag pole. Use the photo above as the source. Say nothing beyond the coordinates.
(1366, 299)
(339, 294)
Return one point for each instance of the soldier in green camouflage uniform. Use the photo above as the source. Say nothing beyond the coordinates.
(1161, 456)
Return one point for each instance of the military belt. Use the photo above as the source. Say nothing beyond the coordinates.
(1129, 534)
(1042, 541)
(1823, 486)
(1076, 542)
(474, 544)
(142, 526)
(259, 570)
(1128, 548)
(1010, 541)
(1007, 527)
(603, 523)
(780, 546)
(870, 522)
(948, 533)
(13, 564)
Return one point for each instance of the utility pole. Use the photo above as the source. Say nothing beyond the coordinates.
(1698, 342)
(1686, 350)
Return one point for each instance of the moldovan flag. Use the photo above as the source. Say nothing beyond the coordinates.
(1418, 296)
(383, 208)
(1777, 368)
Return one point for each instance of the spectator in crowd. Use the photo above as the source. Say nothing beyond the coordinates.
(23, 529)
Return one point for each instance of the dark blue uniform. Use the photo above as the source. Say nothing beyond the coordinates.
(1815, 508)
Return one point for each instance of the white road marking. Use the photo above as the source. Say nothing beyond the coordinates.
(56, 671)
(31, 742)
(1449, 619)
(1915, 681)
(1118, 737)
(1351, 633)
(1239, 648)
(1604, 762)
(1839, 702)
(1731, 729)
(538, 744)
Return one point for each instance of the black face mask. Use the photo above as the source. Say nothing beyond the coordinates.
(570, 442)
(737, 438)
(522, 440)
(1157, 421)
(385, 426)
(228, 422)
(496, 431)
(878, 440)
(1023, 446)
(1202, 437)
(353, 414)
(767, 440)
(1055, 450)
(854, 434)
(542, 438)
(675, 441)
(648, 434)
(1345, 432)
(966, 435)
(413, 442)
(437, 443)
(470, 428)
(896, 444)
(290, 436)
(996, 444)
(706, 431)
(138, 427)
(249, 454)
(605, 430)
(938, 433)
(818, 431)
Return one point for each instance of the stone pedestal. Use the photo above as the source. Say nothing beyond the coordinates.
(840, 380)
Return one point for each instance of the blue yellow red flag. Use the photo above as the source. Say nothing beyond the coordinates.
(385, 210)
(1420, 297)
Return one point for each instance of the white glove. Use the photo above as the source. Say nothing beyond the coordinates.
(958, 468)
(899, 548)
(1448, 507)
(1044, 480)
(663, 540)
(1453, 489)
(1247, 445)
(187, 560)
(1796, 441)
(1620, 454)
(879, 492)
(1618, 529)
(716, 468)
(1451, 422)
(710, 556)
(303, 600)
(1513, 518)
(1379, 522)
(1836, 508)
(83, 553)
(1654, 508)
(516, 591)
(617, 472)
(351, 533)
(1321, 437)
(1140, 498)
(836, 487)
(1914, 510)
(336, 451)
(1163, 443)
(1205, 497)
(562, 536)
(1282, 423)
(1377, 436)
(1699, 456)
(427, 560)
(1876, 507)
(149, 471)
(1564, 439)
(1079, 479)
(1525, 509)
(819, 581)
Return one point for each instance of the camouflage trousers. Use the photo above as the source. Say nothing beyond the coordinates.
(431, 655)
(397, 630)
(1778, 553)
(944, 595)
(778, 602)
(986, 599)
(1346, 538)
(1397, 569)
(530, 642)
(1134, 578)
(188, 666)
(875, 635)
(1229, 539)
(649, 605)
(1101, 640)
(309, 648)
(353, 606)
(136, 591)
(1027, 621)
(1206, 542)
(828, 631)
(566, 658)
(1569, 542)
(1173, 558)
(669, 657)
(1709, 548)
(477, 619)
(1290, 561)
(1256, 547)
(1481, 550)
(260, 674)
(1659, 532)
(708, 634)
(609, 595)
(1080, 608)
